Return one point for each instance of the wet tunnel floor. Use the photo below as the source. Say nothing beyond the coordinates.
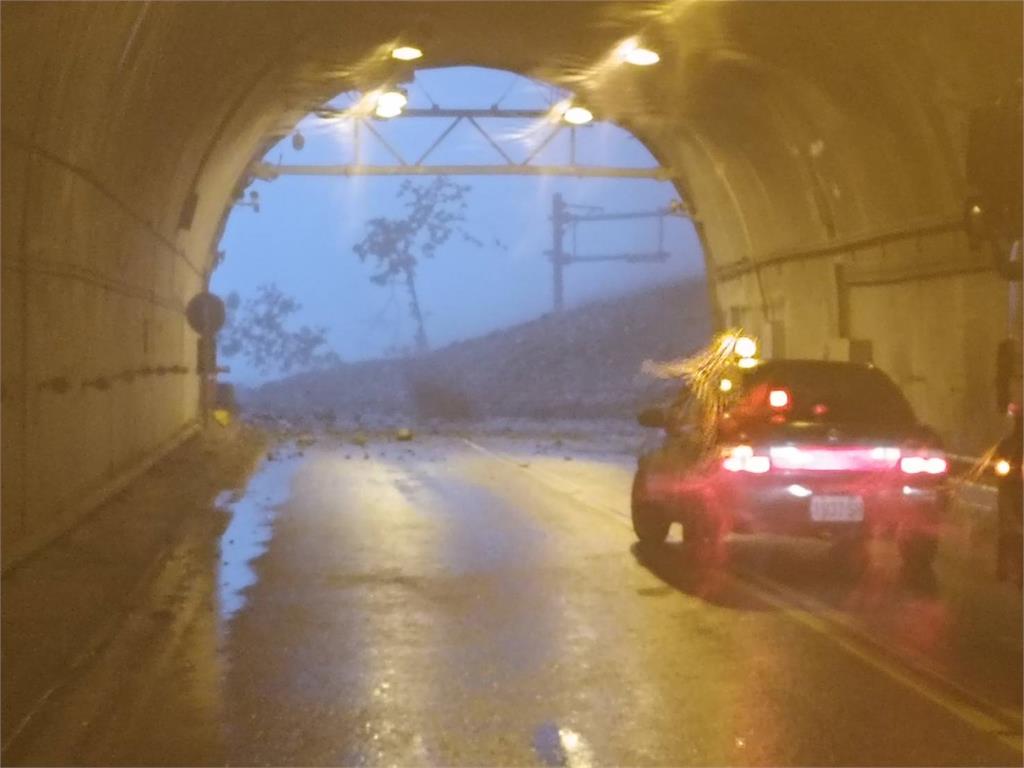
(442, 602)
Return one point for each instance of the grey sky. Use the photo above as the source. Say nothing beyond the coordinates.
(302, 237)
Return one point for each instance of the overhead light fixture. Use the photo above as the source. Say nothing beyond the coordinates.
(577, 115)
(631, 52)
(406, 53)
(390, 104)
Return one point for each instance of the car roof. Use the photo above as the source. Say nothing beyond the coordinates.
(810, 366)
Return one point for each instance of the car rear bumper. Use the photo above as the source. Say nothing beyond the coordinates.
(784, 506)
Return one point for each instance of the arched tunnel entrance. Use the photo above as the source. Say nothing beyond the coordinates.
(828, 155)
(820, 148)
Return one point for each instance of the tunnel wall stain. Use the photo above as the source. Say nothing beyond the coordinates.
(807, 129)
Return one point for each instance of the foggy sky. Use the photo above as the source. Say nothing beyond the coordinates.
(302, 237)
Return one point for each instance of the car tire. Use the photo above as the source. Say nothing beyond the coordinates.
(918, 551)
(702, 535)
(649, 523)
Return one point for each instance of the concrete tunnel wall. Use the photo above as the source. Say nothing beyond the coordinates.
(820, 147)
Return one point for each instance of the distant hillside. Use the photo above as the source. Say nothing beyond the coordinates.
(582, 364)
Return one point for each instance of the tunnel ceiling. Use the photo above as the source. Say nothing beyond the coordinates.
(787, 123)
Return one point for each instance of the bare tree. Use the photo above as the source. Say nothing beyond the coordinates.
(433, 213)
(257, 330)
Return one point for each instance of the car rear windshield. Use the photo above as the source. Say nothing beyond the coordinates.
(834, 392)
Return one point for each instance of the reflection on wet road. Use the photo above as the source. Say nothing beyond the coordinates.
(444, 602)
(249, 530)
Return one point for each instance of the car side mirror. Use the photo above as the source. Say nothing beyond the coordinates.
(652, 417)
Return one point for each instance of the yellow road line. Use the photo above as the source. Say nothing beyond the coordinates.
(825, 626)
(967, 713)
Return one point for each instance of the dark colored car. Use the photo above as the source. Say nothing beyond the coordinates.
(797, 447)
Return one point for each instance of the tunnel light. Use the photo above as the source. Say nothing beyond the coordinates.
(725, 385)
(406, 53)
(387, 112)
(1002, 467)
(631, 52)
(745, 346)
(748, 362)
(577, 115)
(390, 104)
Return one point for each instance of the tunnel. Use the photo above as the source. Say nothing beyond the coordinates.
(818, 147)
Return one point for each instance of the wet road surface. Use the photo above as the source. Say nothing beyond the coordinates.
(449, 602)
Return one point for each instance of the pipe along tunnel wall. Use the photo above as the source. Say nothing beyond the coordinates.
(819, 146)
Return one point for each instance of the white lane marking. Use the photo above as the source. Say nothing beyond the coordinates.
(552, 482)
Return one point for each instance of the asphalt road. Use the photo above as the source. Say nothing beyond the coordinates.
(456, 602)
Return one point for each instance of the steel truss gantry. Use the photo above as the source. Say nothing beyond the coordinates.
(363, 129)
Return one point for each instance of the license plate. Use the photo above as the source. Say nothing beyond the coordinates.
(837, 509)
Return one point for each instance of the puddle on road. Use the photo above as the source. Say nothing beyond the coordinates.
(250, 530)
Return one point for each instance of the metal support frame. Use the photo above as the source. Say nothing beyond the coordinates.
(562, 218)
(505, 165)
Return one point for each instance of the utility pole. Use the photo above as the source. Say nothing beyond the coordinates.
(558, 224)
(564, 215)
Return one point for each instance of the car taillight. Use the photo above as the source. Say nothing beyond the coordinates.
(741, 458)
(838, 459)
(924, 464)
(779, 399)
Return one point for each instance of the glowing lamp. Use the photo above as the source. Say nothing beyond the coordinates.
(392, 99)
(631, 52)
(577, 115)
(390, 104)
(745, 347)
(406, 53)
(1002, 467)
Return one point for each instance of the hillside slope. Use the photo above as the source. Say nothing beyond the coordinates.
(582, 364)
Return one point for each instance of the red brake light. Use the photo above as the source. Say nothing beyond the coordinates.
(741, 458)
(826, 458)
(778, 398)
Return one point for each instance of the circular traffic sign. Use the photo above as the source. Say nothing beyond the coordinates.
(205, 313)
